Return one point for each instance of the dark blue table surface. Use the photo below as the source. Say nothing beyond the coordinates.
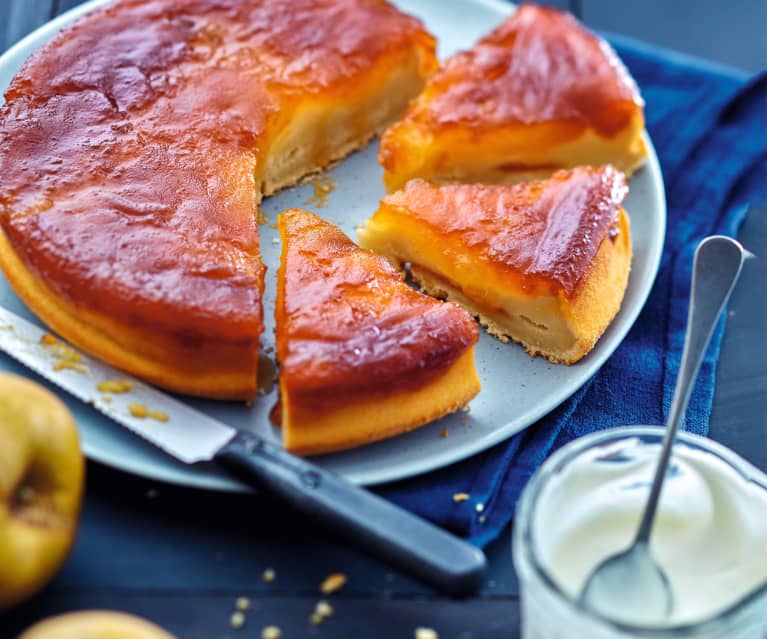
(181, 557)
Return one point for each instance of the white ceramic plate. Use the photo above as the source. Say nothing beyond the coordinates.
(516, 389)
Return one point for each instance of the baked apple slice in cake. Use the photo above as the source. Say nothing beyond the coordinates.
(537, 94)
(362, 355)
(545, 262)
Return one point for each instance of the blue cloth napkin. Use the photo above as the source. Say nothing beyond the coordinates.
(709, 129)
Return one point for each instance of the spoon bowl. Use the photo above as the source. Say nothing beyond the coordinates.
(641, 580)
(630, 586)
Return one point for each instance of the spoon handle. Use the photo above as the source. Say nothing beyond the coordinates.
(716, 267)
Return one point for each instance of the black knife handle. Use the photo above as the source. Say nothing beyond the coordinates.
(386, 531)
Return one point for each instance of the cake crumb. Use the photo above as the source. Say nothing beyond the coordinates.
(459, 497)
(271, 632)
(323, 185)
(467, 408)
(138, 410)
(316, 619)
(332, 583)
(67, 359)
(481, 519)
(142, 412)
(322, 611)
(268, 576)
(242, 603)
(275, 240)
(115, 386)
(237, 620)
(426, 633)
(66, 356)
(445, 433)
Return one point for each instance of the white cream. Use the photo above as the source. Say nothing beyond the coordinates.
(710, 533)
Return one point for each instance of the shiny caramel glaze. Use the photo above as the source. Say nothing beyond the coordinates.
(349, 326)
(539, 65)
(545, 233)
(131, 148)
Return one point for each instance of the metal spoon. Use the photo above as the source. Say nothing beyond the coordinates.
(631, 587)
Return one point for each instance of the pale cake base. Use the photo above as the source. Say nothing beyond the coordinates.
(561, 329)
(325, 129)
(357, 421)
(509, 156)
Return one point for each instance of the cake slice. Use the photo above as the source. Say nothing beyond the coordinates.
(362, 355)
(545, 263)
(537, 94)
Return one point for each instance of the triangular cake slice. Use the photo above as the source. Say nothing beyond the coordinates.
(537, 94)
(362, 355)
(545, 263)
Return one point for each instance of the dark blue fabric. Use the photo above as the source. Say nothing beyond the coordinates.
(709, 129)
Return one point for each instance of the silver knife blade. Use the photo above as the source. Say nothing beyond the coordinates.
(181, 431)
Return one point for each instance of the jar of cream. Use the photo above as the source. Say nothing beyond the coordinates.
(710, 536)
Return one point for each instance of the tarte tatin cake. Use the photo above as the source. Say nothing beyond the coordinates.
(545, 262)
(134, 149)
(362, 355)
(537, 94)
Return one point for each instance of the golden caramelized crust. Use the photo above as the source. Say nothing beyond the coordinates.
(155, 234)
(347, 322)
(352, 336)
(539, 65)
(134, 148)
(545, 263)
(136, 48)
(538, 93)
(543, 233)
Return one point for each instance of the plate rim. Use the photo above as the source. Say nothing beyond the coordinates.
(435, 461)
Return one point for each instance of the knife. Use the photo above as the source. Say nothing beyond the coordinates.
(411, 544)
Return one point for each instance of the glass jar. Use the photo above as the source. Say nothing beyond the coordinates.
(549, 613)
